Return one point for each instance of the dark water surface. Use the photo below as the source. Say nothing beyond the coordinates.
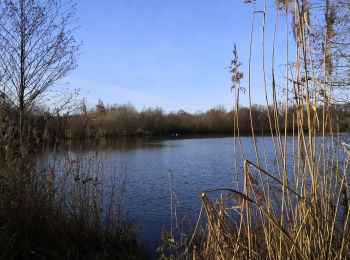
(196, 165)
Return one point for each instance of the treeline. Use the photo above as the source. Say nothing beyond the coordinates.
(126, 120)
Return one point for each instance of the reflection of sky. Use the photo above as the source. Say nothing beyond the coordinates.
(172, 54)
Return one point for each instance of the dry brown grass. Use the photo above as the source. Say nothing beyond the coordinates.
(67, 209)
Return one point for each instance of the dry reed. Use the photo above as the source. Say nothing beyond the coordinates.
(296, 207)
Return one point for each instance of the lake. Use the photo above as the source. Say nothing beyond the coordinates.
(196, 165)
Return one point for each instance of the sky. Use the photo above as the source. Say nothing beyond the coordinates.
(172, 54)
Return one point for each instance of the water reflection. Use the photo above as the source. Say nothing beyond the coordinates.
(196, 164)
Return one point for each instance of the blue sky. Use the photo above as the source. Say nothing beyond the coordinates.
(172, 54)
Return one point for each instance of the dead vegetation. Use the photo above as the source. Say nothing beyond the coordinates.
(298, 206)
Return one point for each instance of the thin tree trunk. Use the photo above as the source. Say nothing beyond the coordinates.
(22, 72)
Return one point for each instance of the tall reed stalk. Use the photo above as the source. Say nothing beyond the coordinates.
(296, 207)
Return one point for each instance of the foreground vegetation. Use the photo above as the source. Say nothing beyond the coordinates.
(60, 208)
(298, 207)
(49, 212)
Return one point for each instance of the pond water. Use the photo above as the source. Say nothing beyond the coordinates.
(196, 164)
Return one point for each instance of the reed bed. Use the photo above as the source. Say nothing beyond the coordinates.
(64, 207)
(296, 207)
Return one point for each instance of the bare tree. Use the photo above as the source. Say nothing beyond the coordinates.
(328, 30)
(37, 48)
(337, 16)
